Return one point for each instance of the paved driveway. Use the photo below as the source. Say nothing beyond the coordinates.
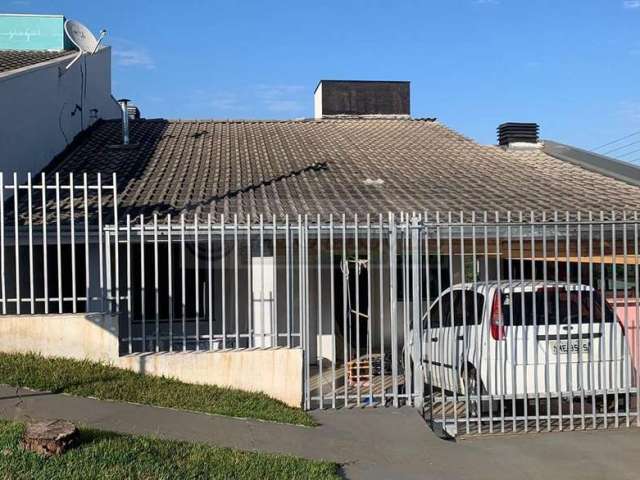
(372, 444)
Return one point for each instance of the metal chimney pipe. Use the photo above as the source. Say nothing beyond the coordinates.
(125, 120)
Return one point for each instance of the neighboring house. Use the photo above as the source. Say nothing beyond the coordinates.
(44, 105)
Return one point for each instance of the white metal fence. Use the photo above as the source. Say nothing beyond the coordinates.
(487, 322)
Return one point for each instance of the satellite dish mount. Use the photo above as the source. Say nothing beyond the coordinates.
(82, 38)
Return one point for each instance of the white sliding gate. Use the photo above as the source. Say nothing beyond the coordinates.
(486, 322)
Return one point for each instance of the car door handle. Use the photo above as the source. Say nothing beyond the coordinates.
(460, 337)
(434, 339)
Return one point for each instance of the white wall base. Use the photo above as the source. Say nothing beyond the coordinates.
(274, 371)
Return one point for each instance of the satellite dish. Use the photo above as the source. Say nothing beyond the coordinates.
(82, 38)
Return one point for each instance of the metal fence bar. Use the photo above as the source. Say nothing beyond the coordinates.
(500, 352)
(523, 307)
(156, 280)
(320, 358)
(464, 368)
(534, 312)
(580, 379)
(129, 288)
(369, 346)
(143, 293)
(223, 299)
(416, 315)
(568, 367)
(393, 295)
(333, 313)
(288, 269)
(72, 225)
(87, 267)
(626, 364)
(250, 298)
(210, 279)
(183, 283)
(426, 342)
(510, 339)
(17, 243)
(100, 242)
(381, 269)
(32, 293)
(170, 292)
(108, 263)
(439, 324)
(196, 269)
(614, 301)
(263, 306)
(344, 267)
(592, 376)
(477, 320)
(274, 254)
(45, 258)
(236, 313)
(491, 380)
(305, 302)
(605, 400)
(407, 296)
(116, 222)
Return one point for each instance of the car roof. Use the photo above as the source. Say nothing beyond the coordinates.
(517, 286)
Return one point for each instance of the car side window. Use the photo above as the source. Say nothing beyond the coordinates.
(457, 308)
(440, 313)
(472, 316)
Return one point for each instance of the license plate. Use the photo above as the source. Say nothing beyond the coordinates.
(574, 346)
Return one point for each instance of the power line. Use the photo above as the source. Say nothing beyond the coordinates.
(615, 141)
(629, 153)
(620, 148)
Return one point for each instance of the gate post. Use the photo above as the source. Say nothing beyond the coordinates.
(416, 327)
(393, 306)
(304, 307)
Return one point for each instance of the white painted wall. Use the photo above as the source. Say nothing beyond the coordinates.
(274, 371)
(317, 102)
(36, 105)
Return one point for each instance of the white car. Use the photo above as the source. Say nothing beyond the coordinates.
(529, 338)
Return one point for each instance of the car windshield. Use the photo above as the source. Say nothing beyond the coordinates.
(562, 307)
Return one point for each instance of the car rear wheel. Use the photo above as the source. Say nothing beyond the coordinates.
(472, 385)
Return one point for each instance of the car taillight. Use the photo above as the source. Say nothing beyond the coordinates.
(498, 331)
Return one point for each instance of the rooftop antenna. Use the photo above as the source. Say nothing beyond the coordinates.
(82, 38)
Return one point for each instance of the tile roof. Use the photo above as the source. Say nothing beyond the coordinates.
(14, 59)
(331, 166)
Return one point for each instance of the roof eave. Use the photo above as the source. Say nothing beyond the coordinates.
(16, 72)
(627, 172)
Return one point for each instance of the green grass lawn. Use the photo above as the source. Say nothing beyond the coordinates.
(90, 379)
(105, 455)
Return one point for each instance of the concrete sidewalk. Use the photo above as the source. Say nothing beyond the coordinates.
(373, 444)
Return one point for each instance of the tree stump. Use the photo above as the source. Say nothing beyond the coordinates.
(50, 438)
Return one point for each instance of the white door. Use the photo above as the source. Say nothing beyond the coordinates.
(263, 317)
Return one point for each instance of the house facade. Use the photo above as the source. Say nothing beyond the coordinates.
(305, 255)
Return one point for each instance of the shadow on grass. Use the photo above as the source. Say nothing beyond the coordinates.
(89, 436)
(86, 381)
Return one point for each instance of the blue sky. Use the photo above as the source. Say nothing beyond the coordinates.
(572, 66)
